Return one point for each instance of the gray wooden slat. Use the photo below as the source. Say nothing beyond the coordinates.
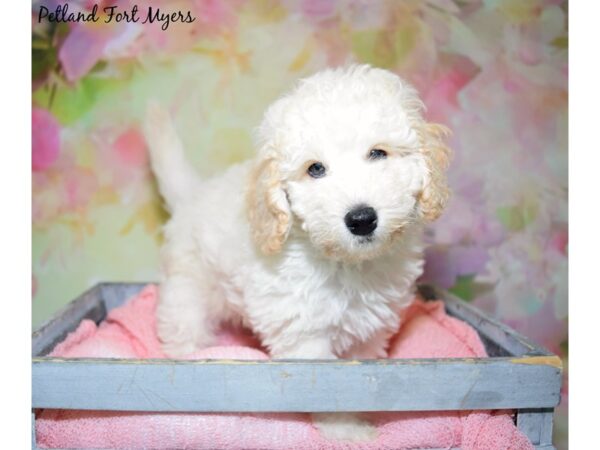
(492, 348)
(115, 294)
(502, 335)
(253, 386)
(536, 424)
(33, 436)
(92, 304)
(530, 424)
(547, 427)
(87, 306)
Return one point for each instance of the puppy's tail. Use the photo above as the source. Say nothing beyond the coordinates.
(177, 180)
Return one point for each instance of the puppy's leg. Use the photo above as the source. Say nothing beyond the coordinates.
(301, 348)
(354, 426)
(344, 427)
(183, 319)
(338, 425)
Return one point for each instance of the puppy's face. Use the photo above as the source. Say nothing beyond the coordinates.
(353, 178)
(352, 162)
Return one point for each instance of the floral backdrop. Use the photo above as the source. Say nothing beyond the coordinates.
(494, 71)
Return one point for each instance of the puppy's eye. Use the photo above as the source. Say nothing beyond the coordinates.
(377, 153)
(316, 170)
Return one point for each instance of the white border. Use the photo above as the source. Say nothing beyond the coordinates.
(584, 223)
(15, 235)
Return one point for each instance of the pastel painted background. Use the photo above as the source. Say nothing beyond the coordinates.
(494, 71)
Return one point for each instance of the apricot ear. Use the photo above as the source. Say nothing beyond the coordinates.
(435, 192)
(267, 206)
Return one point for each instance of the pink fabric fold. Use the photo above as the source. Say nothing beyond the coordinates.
(129, 332)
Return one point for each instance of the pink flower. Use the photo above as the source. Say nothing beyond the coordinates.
(318, 10)
(130, 147)
(83, 48)
(442, 93)
(79, 186)
(122, 158)
(216, 13)
(45, 139)
(559, 241)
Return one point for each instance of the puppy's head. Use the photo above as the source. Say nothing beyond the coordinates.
(348, 156)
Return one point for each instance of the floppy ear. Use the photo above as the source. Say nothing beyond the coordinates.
(268, 208)
(435, 191)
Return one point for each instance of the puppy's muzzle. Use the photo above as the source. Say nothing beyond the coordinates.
(361, 221)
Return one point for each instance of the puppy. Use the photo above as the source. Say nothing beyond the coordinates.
(316, 243)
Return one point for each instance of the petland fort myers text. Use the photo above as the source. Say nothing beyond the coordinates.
(115, 14)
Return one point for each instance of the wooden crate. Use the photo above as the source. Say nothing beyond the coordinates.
(519, 375)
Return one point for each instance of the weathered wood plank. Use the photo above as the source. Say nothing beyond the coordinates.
(92, 304)
(547, 427)
(33, 436)
(536, 424)
(253, 386)
(115, 294)
(87, 306)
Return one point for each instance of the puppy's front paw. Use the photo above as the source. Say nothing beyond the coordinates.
(344, 427)
(180, 339)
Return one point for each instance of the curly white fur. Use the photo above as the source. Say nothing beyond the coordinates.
(266, 244)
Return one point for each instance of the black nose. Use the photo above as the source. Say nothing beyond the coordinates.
(361, 221)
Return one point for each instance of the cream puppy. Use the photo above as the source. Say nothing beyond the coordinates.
(316, 243)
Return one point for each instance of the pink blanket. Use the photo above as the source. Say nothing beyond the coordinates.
(129, 332)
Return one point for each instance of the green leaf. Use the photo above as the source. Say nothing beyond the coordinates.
(370, 46)
(42, 61)
(385, 48)
(464, 287)
(561, 42)
(71, 103)
(43, 56)
(68, 104)
(564, 348)
(404, 41)
(517, 217)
